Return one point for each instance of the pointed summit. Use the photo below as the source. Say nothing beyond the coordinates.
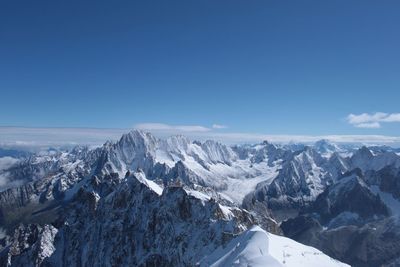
(325, 147)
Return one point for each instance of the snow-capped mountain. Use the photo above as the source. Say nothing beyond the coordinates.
(210, 164)
(366, 160)
(200, 198)
(326, 148)
(353, 220)
(301, 178)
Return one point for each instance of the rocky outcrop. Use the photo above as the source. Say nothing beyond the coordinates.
(352, 195)
(387, 179)
(348, 222)
(130, 226)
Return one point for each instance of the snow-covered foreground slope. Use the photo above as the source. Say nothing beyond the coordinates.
(257, 248)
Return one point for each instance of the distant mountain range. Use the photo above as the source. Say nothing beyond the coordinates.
(146, 201)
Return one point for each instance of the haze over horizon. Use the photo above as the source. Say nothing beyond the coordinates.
(29, 138)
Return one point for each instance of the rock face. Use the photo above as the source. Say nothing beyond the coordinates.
(302, 177)
(34, 242)
(350, 195)
(373, 244)
(366, 160)
(136, 224)
(348, 221)
(140, 224)
(387, 179)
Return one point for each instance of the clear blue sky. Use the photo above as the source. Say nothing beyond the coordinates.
(276, 67)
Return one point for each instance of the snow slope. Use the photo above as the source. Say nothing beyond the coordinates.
(257, 248)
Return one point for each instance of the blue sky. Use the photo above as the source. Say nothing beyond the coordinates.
(270, 67)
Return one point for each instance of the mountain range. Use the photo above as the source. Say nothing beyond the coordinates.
(146, 201)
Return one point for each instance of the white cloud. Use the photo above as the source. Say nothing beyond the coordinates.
(366, 120)
(219, 126)
(168, 127)
(370, 125)
(394, 117)
(6, 163)
(5, 182)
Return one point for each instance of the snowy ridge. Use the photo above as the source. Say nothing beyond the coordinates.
(365, 159)
(257, 248)
(140, 176)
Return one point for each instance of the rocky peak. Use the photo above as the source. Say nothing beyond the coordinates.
(324, 146)
(363, 152)
(136, 142)
(349, 194)
(133, 225)
(362, 157)
(177, 143)
(218, 153)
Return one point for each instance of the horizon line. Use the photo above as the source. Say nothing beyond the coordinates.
(20, 136)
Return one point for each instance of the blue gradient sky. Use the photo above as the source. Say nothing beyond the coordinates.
(274, 67)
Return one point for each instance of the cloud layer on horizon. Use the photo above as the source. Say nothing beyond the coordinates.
(48, 137)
